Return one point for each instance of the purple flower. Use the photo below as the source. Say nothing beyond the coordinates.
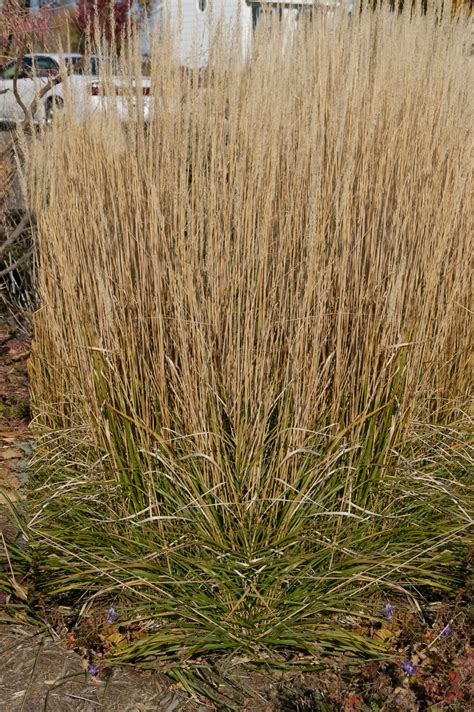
(111, 615)
(446, 631)
(398, 700)
(92, 669)
(389, 610)
(409, 668)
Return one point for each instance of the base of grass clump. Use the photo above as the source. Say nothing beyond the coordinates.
(187, 583)
(433, 639)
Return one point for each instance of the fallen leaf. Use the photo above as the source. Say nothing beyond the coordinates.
(9, 453)
(384, 634)
(115, 638)
(177, 686)
(71, 640)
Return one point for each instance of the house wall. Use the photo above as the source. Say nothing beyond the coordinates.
(193, 27)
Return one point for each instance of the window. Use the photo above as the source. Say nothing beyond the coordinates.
(24, 71)
(74, 65)
(281, 10)
(8, 72)
(202, 5)
(269, 11)
(45, 66)
(255, 13)
(80, 65)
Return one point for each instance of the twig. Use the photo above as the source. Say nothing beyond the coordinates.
(86, 699)
(38, 96)
(30, 111)
(14, 235)
(17, 263)
(18, 64)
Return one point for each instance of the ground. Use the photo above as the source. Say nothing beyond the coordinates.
(15, 438)
(39, 673)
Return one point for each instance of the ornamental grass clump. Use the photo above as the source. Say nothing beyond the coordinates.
(251, 370)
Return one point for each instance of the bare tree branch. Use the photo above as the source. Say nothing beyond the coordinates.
(17, 263)
(18, 63)
(38, 96)
(17, 232)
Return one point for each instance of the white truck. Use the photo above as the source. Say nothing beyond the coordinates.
(82, 82)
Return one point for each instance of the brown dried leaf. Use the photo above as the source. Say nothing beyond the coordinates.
(385, 633)
(10, 453)
(114, 638)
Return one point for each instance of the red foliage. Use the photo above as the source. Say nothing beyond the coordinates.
(19, 27)
(104, 18)
(353, 703)
(454, 691)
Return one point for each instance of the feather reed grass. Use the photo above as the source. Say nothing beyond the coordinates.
(251, 368)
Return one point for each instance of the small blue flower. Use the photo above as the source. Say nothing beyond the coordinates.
(446, 631)
(409, 668)
(92, 669)
(389, 610)
(111, 616)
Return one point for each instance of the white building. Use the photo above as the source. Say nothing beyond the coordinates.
(193, 20)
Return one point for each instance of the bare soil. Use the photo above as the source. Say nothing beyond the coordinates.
(38, 673)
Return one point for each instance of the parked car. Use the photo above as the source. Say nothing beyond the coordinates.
(90, 89)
